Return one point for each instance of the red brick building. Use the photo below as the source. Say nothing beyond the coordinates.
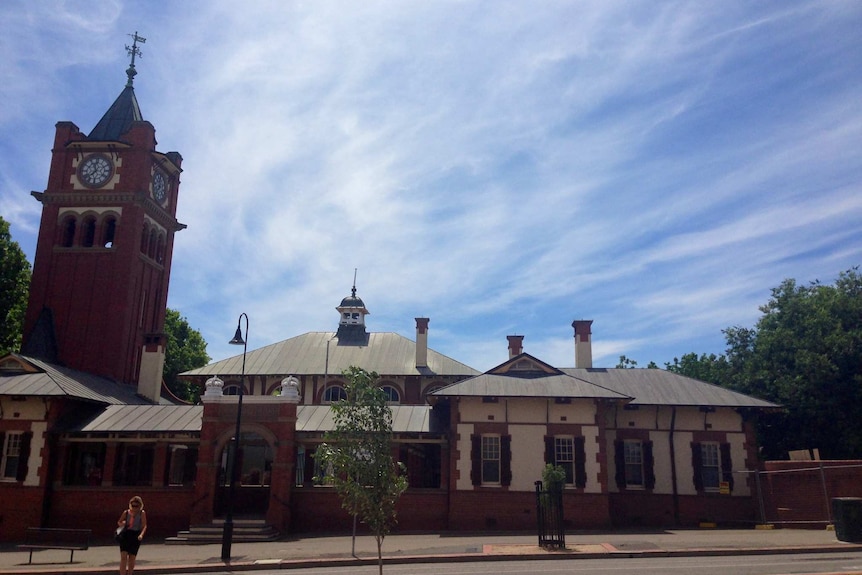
(84, 425)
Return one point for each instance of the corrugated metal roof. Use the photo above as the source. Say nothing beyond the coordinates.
(661, 387)
(512, 385)
(53, 380)
(144, 418)
(389, 354)
(405, 418)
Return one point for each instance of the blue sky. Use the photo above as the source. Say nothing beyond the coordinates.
(501, 167)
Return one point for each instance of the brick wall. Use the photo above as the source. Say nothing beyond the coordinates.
(21, 508)
(516, 511)
(318, 510)
(168, 509)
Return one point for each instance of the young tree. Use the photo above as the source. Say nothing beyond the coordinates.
(186, 349)
(14, 289)
(358, 456)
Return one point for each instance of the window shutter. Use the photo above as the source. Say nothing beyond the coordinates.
(308, 479)
(506, 460)
(697, 465)
(24, 456)
(649, 466)
(580, 463)
(476, 459)
(726, 465)
(549, 450)
(620, 463)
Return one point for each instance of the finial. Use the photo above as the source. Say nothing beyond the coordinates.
(353, 291)
(133, 51)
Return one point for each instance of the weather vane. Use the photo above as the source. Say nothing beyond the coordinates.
(133, 51)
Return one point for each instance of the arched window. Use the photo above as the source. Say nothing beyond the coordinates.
(89, 237)
(145, 238)
(392, 394)
(70, 224)
(334, 393)
(151, 246)
(109, 229)
(160, 249)
(232, 389)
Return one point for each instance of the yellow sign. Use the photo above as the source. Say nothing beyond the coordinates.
(724, 487)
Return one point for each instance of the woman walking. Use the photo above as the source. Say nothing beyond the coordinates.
(134, 523)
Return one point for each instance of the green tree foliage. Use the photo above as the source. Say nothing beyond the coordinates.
(627, 363)
(14, 290)
(553, 478)
(710, 368)
(805, 353)
(186, 349)
(358, 456)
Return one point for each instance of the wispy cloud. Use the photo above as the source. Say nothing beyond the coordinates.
(501, 168)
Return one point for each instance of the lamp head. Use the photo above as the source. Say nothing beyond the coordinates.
(237, 338)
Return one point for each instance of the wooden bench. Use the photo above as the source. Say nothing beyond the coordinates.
(44, 538)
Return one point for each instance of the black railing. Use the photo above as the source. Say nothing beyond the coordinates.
(549, 515)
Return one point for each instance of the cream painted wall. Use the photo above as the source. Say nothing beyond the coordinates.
(37, 442)
(526, 410)
(661, 457)
(591, 451)
(32, 408)
(528, 456)
(583, 412)
(691, 418)
(643, 418)
(463, 464)
(472, 409)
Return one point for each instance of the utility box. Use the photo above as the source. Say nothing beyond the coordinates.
(847, 515)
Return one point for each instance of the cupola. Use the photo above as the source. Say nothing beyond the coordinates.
(351, 323)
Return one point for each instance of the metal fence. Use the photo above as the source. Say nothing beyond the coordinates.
(549, 514)
(801, 493)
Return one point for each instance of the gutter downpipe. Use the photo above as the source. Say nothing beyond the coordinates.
(673, 466)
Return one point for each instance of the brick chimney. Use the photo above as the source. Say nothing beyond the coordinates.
(583, 343)
(516, 345)
(422, 341)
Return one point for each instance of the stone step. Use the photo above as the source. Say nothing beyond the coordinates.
(247, 531)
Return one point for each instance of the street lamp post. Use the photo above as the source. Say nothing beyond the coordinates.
(227, 535)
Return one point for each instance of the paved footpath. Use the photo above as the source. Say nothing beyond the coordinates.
(319, 551)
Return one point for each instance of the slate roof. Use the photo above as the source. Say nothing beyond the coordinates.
(119, 117)
(661, 387)
(56, 381)
(389, 354)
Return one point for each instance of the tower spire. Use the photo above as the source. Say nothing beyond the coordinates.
(133, 51)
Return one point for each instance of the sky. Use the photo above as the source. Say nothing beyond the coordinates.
(500, 167)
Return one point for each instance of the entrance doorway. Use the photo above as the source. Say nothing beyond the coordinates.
(251, 498)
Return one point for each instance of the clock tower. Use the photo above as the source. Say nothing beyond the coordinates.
(103, 259)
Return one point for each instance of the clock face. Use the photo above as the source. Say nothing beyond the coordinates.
(160, 187)
(95, 171)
